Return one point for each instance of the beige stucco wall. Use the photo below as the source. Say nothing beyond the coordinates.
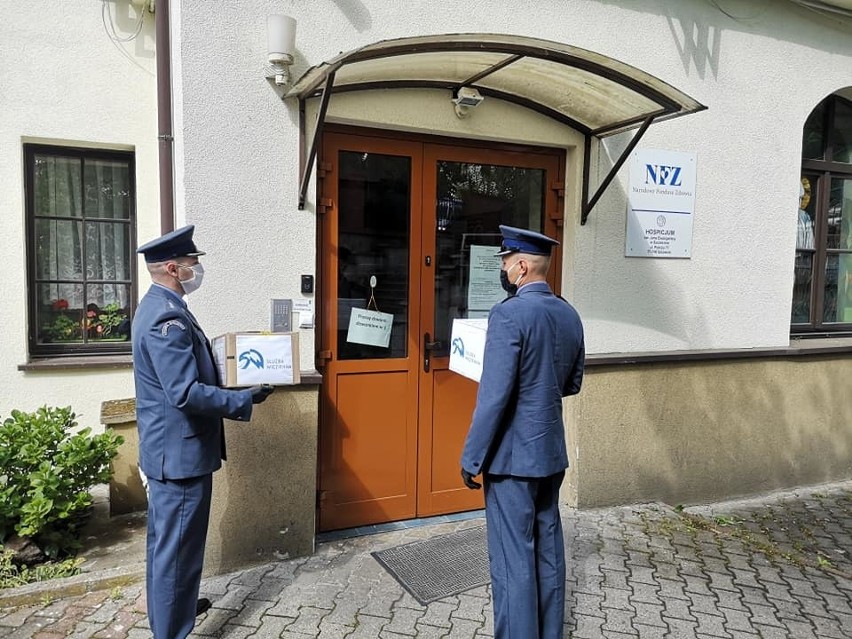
(126, 492)
(264, 496)
(701, 431)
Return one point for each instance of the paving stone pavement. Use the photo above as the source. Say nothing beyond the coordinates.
(773, 567)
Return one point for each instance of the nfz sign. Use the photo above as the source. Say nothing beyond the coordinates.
(663, 175)
(661, 202)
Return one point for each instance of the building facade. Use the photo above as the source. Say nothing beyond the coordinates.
(78, 166)
(712, 373)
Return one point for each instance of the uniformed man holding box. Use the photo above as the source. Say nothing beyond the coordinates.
(179, 411)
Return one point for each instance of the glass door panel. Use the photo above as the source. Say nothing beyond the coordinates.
(805, 250)
(472, 201)
(373, 248)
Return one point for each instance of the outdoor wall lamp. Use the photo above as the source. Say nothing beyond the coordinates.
(465, 99)
(280, 47)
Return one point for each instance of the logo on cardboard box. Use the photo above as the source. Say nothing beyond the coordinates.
(250, 357)
(458, 349)
(253, 358)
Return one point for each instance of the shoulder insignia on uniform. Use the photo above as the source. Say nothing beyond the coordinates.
(165, 329)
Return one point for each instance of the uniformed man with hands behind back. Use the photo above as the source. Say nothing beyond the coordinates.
(534, 356)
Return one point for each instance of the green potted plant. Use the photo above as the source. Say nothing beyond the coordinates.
(61, 328)
(105, 322)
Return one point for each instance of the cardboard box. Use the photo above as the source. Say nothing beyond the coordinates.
(250, 358)
(467, 347)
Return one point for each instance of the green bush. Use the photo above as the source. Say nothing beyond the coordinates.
(45, 476)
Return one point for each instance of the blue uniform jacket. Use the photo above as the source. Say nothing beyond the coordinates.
(179, 406)
(534, 356)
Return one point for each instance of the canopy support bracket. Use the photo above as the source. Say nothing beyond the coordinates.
(590, 204)
(312, 153)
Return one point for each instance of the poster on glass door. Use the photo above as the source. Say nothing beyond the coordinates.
(483, 283)
(661, 203)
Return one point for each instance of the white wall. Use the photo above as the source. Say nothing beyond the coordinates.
(236, 163)
(65, 82)
(760, 73)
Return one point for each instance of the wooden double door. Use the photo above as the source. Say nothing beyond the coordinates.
(408, 232)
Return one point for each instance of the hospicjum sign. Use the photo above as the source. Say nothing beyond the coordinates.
(660, 204)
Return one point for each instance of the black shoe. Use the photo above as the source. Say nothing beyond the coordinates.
(202, 606)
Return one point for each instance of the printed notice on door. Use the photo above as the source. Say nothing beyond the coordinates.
(661, 203)
(483, 284)
(369, 327)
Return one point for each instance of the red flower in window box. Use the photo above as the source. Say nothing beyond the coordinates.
(60, 305)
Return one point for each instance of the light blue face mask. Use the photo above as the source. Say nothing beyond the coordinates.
(194, 283)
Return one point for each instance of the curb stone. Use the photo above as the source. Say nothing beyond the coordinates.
(37, 592)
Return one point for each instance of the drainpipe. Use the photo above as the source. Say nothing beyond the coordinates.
(164, 116)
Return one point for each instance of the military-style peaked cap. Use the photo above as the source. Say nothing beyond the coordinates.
(178, 243)
(517, 240)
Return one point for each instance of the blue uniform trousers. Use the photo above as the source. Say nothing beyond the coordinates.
(527, 555)
(178, 515)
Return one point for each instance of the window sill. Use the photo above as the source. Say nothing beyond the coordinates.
(799, 347)
(78, 362)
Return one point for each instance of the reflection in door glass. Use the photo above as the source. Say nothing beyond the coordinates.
(373, 253)
(472, 201)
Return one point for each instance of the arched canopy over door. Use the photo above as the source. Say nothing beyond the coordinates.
(592, 93)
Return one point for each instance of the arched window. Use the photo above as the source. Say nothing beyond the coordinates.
(822, 286)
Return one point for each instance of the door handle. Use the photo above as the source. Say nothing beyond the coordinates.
(428, 347)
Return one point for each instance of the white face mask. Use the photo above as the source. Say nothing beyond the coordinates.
(194, 283)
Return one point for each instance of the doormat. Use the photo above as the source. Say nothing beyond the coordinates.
(441, 566)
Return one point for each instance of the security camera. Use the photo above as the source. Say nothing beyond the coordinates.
(465, 99)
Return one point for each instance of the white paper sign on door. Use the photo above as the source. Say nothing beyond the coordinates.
(372, 328)
(483, 288)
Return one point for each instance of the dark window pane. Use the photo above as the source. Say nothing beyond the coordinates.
(107, 251)
(807, 213)
(59, 250)
(839, 214)
(813, 140)
(802, 281)
(841, 132)
(473, 200)
(57, 186)
(107, 188)
(373, 242)
(838, 288)
(59, 313)
(107, 312)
